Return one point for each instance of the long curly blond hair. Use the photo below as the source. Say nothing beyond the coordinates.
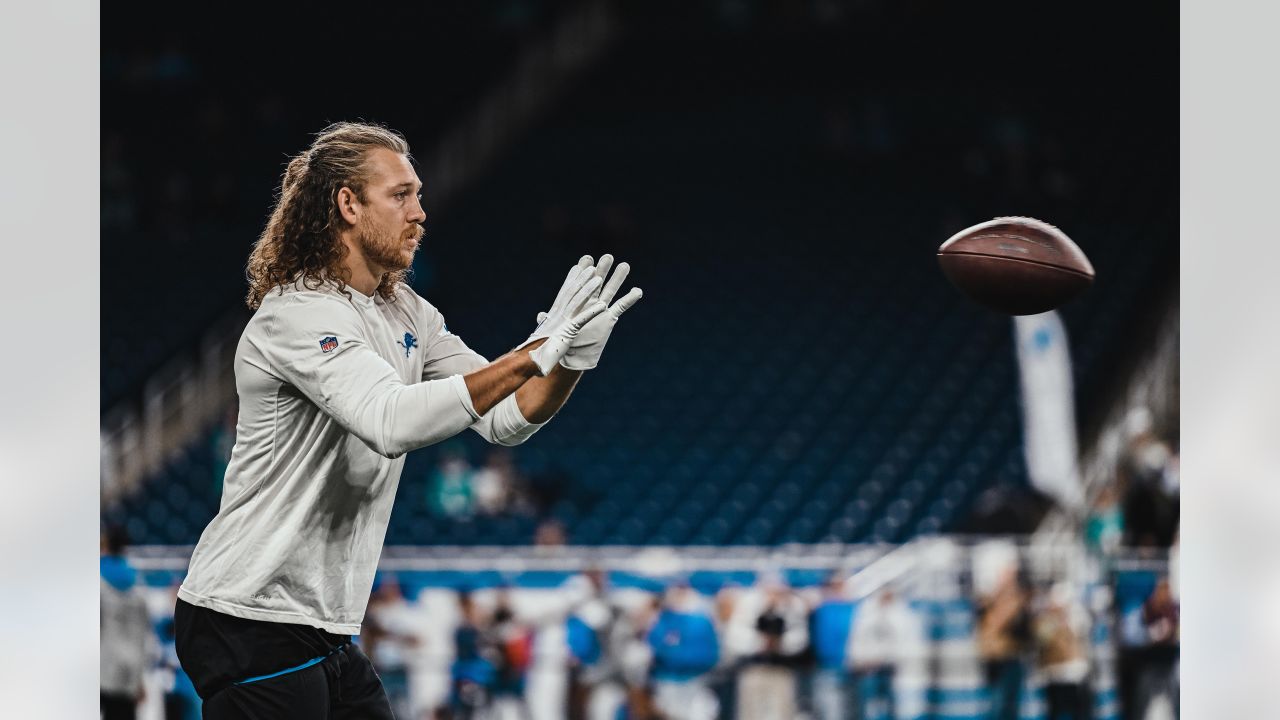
(300, 240)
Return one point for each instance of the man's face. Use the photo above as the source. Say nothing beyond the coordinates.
(390, 225)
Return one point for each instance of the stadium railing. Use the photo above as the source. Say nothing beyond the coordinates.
(178, 403)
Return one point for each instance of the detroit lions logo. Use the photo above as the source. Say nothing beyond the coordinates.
(410, 342)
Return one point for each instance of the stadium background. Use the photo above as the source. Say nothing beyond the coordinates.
(799, 392)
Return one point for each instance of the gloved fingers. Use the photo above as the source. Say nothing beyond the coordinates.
(615, 283)
(602, 269)
(542, 316)
(594, 308)
(587, 285)
(577, 274)
(623, 305)
(571, 284)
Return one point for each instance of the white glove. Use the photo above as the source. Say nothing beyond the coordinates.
(584, 353)
(564, 308)
(573, 309)
(547, 355)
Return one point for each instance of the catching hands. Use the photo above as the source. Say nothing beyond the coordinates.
(588, 343)
(575, 306)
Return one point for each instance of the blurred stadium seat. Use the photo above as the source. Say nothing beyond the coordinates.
(842, 394)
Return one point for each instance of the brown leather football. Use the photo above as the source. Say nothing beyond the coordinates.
(1016, 265)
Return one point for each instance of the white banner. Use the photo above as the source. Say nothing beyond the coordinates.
(1048, 407)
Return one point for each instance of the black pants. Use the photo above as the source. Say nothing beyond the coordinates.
(118, 707)
(1004, 684)
(343, 686)
(1068, 701)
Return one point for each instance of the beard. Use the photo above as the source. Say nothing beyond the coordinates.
(387, 249)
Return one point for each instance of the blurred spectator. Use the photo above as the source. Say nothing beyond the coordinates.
(1149, 471)
(474, 672)
(498, 487)
(493, 656)
(449, 490)
(884, 627)
(830, 624)
(549, 535)
(389, 637)
(598, 633)
(492, 486)
(1003, 631)
(1061, 629)
(1158, 669)
(636, 660)
(514, 643)
(126, 633)
(770, 651)
(1104, 529)
(685, 649)
(723, 681)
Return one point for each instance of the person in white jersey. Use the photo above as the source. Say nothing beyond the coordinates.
(341, 371)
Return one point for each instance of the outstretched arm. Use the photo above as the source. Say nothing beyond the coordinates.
(510, 373)
(508, 418)
(542, 397)
(316, 344)
(536, 360)
(534, 398)
(539, 398)
(518, 392)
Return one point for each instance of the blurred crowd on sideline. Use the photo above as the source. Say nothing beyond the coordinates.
(589, 650)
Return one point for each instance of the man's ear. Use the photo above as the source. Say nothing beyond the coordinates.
(349, 205)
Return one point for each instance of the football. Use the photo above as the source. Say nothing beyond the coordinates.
(1015, 265)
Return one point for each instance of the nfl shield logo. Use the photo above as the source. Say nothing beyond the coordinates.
(328, 344)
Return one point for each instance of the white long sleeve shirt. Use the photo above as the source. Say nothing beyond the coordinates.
(884, 634)
(333, 391)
